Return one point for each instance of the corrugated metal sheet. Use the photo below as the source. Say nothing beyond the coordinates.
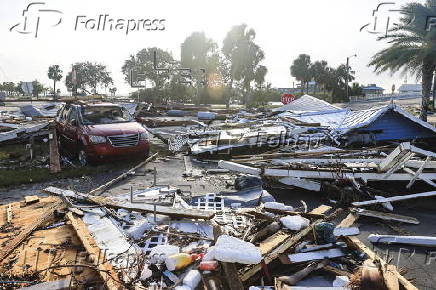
(307, 103)
(330, 119)
(389, 122)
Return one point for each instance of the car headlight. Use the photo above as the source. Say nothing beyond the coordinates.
(143, 136)
(97, 139)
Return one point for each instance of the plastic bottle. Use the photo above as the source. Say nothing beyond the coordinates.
(181, 260)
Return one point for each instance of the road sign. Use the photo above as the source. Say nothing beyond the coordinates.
(287, 98)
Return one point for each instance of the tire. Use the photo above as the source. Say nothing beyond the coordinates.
(82, 157)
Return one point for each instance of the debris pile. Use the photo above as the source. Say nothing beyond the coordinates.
(160, 238)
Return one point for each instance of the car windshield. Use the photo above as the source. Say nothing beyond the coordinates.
(104, 115)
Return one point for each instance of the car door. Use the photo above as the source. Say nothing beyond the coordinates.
(71, 128)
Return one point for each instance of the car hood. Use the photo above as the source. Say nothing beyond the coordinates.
(114, 129)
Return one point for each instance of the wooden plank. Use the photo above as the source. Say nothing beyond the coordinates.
(289, 242)
(9, 214)
(272, 242)
(105, 269)
(348, 221)
(11, 245)
(322, 209)
(418, 172)
(142, 207)
(355, 243)
(367, 163)
(103, 187)
(390, 278)
(395, 156)
(423, 178)
(388, 216)
(55, 164)
(238, 167)
(317, 174)
(287, 212)
(395, 198)
(29, 199)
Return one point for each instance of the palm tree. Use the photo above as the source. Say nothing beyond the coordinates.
(412, 48)
(300, 70)
(319, 73)
(55, 74)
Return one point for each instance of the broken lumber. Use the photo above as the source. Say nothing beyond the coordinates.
(238, 167)
(122, 176)
(29, 199)
(9, 214)
(395, 198)
(142, 207)
(387, 216)
(355, 243)
(390, 278)
(287, 212)
(105, 269)
(55, 164)
(348, 221)
(25, 233)
(283, 243)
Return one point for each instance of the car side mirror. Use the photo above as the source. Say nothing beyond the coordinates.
(74, 123)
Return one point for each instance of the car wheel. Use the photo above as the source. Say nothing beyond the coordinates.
(83, 158)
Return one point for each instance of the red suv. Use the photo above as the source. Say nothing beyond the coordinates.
(100, 131)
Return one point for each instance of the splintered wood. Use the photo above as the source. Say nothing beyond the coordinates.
(56, 247)
(355, 243)
(143, 207)
(105, 269)
(55, 164)
(280, 242)
(29, 228)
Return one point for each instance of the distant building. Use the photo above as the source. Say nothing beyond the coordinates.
(372, 89)
(410, 89)
(375, 125)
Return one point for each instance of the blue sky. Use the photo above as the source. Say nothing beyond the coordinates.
(326, 30)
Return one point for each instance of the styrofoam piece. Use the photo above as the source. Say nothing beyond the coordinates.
(192, 279)
(183, 287)
(145, 273)
(341, 281)
(295, 222)
(233, 250)
(277, 205)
